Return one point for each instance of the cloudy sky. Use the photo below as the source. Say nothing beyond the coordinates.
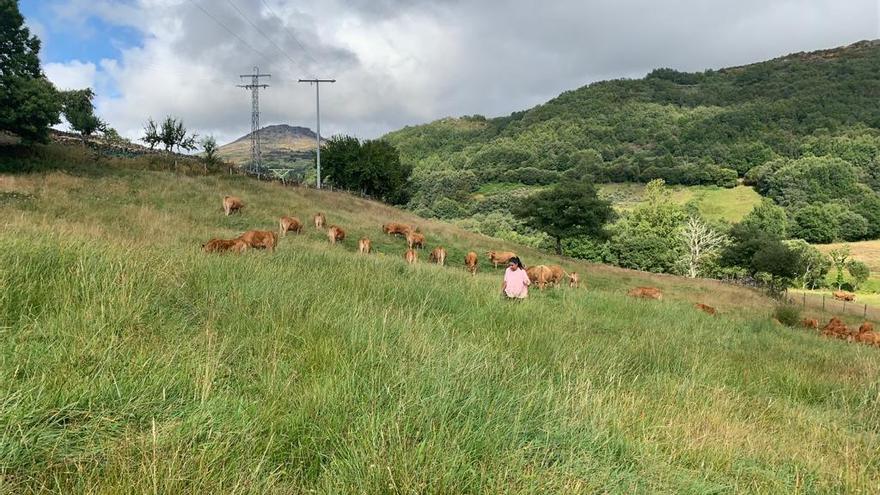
(401, 62)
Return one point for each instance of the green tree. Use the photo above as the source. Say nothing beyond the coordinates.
(209, 145)
(151, 134)
(372, 168)
(173, 133)
(767, 217)
(839, 257)
(569, 209)
(79, 111)
(779, 262)
(816, 223)
(29, 103)
(814, 265)
(649, 236)
(859, 273)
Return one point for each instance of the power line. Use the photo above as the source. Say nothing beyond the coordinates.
(289, 33)
(258, 52)
(246, 19)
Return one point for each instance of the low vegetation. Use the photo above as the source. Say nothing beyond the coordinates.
(133, 362)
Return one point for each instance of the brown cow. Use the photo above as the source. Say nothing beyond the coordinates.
(237, 246)
(867, 335)
(836, 328)
(574, 280)
(394, 228)
(411, 256)
(415, 240)
(842, 295)
(646, 293)
(289, 224)
(438, 255)
(706, 309)
(810, 323)
(539, 275)
(365, 246)
(260, 239)
(320, 220)
(556, 274)
(335, 234)
(500, 258)
(470, 261)
(232, 204)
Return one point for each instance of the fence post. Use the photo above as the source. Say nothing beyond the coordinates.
(844, 306)
(865, 314)
(805, 299)
(823, 302)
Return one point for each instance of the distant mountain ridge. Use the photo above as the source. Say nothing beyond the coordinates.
(281, 144)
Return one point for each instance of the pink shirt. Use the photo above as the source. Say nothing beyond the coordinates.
(516, 283)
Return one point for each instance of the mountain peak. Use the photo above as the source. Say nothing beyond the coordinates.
(281, 141)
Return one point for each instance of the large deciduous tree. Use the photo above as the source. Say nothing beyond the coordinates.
(702, 242)
(29, 103)
(372, 167)
(571, 208)
(79, 111)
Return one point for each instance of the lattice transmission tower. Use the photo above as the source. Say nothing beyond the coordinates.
(255, 87)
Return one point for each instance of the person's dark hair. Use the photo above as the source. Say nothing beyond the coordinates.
(518, 263)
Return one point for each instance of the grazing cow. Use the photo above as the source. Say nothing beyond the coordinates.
(867, 335)
(237, 246)
(646, 293)
(556, 274)
(335, 234)
(500, 258)
(320, 220)
(438, 255)
(539, 275)
(810, 323)
(289, 224)
(866, 327)
(411, 256)
(394, 228)
(706, 309)
(574, 280)
(260, 239)
(415, 240)
(365, 246)
(842, 295)
(232, 204)
(470, 261)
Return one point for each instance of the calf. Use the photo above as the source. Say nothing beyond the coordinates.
(438, 255)
(574, 280)
(335, 234)
(470, 261)
(289, 224)
(260, 239)
(706, 309)
(415, 240)
(365, 246)
(232, 204)
(394, 228)
(411, 256)
(320, 220)
(810, 323)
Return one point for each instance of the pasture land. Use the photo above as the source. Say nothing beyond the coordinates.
(132, 362)
(714, 203)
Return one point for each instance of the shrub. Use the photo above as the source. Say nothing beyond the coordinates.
(788, 314)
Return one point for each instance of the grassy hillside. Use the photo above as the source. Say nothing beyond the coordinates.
(132, 362)
(784, 125)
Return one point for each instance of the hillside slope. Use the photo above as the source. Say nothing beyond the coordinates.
(132, 362)
(704, 128)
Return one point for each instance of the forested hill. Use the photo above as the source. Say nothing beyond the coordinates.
(687, 128)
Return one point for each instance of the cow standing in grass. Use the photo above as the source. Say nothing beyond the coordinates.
(260, 239)
(411, 256)
(438, 255)
(415, 240)
(365, 246)
(335, 234)
(470, 261)
(236, 246)
(232, 204)
(289, 224)
(500, 257)
(320, 220)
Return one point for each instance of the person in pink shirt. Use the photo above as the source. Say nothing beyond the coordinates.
(516, 281)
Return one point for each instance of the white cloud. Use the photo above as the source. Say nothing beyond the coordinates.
(72, 75)
(401, 62)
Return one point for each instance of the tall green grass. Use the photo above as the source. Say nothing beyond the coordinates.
(131, 362)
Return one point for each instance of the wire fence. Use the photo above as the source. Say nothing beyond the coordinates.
(829, 304)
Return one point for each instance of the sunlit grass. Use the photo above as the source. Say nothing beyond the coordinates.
(132, 362)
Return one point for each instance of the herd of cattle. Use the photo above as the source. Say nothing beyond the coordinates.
(541, 275)
(836, 328)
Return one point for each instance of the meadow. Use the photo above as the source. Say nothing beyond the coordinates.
(713, 203)
(133, 363)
